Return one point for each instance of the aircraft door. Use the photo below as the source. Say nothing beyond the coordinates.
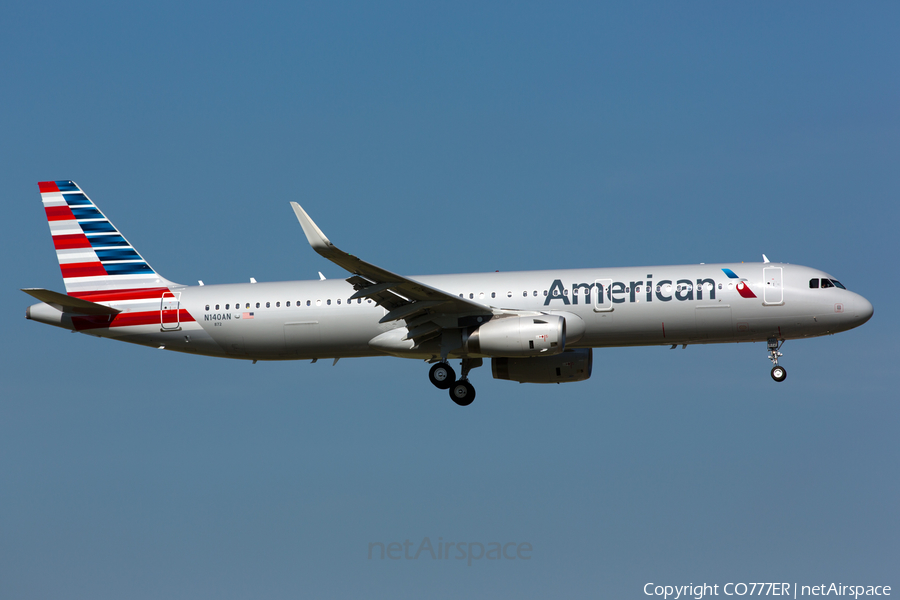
(169, 317)
(773, 292)
(602, 298)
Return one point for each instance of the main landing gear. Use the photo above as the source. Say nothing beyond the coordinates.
(779, 373)
(443, 377)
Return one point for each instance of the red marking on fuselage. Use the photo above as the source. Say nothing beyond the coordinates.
(126, 319)
(744, 290)
(114, 295)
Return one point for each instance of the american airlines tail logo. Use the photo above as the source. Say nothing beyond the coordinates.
(741, 286)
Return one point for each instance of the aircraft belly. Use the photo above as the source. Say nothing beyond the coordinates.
(714, 322)
(648, 325)
(313, 334)
(190, 338)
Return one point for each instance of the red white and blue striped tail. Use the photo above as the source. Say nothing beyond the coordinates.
(93, 255)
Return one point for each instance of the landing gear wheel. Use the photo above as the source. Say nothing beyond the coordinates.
(779, 373)
(441, 376)
(462, 392)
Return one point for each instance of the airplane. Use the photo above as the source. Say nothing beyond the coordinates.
(534, 326)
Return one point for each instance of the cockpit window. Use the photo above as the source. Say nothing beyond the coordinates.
(814, 283)
(826, 283)
(838, 284)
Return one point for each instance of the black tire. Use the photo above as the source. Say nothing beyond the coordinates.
(441, 376)
(779, 373)
(463, 393)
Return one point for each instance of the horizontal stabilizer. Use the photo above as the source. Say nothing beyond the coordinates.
(65, 303)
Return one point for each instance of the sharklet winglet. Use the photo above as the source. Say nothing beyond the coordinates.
(314, 235)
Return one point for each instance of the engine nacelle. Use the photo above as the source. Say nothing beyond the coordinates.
(543, 335)
(571, 365)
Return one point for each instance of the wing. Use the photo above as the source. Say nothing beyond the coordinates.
(425, 309)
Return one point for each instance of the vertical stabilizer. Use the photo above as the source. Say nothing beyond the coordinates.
(93, 255)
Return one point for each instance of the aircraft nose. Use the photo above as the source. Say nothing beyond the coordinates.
(862, 310)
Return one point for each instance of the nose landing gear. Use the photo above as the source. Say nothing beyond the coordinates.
(779, 373)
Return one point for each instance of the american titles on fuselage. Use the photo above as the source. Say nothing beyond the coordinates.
(619, 292)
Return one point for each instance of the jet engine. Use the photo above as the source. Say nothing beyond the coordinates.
(542, 335)
(571, 365)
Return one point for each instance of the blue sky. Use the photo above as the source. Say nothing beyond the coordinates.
(442, 138)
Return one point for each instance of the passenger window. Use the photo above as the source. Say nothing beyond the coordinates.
(328, 302)
(268, 305)
(217, 307)
(288, 303)
(827, 283)
(248, 305)
(318, 303)
(338, 300)
(814, 283)
(535, 293)
(278, 305)
(227, 306)
(308, 302)
(545, 292)
(509, 294)
(525, 294)
(257, 305)
(471, 295)
(207, 307)
(720, 287)
(493, 294)
(480, 295)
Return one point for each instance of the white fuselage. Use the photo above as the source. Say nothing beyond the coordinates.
(640, 306)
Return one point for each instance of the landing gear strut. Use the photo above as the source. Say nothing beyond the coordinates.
(462, 392)
(779, 373)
